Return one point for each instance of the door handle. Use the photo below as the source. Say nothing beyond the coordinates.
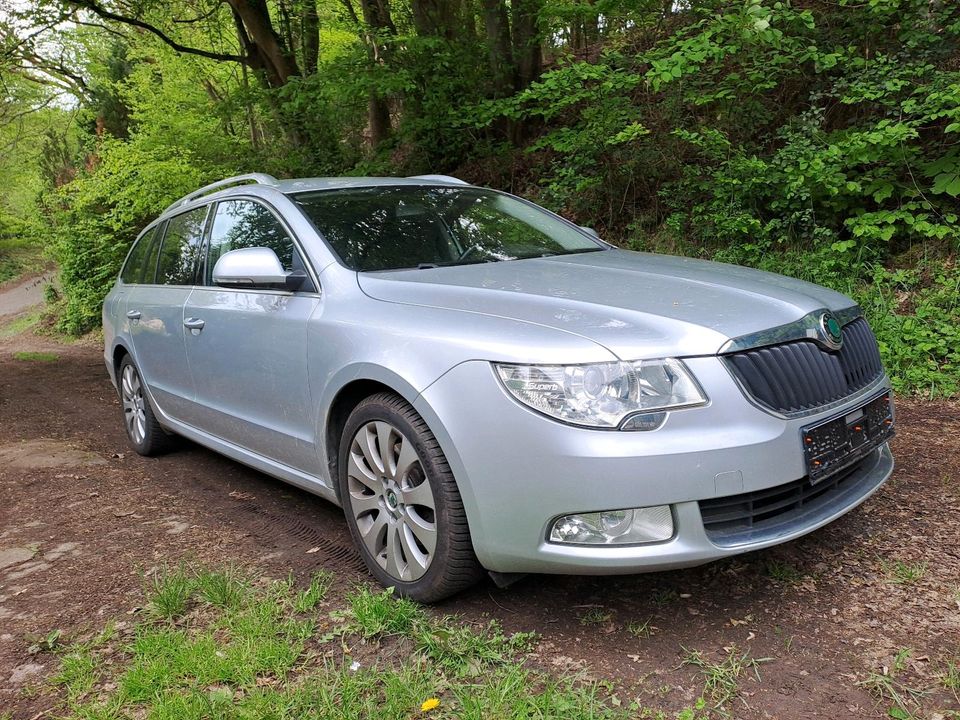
(193, 324)
(133, 314)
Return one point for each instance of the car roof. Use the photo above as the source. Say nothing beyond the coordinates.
(262, 185)
(339, 183)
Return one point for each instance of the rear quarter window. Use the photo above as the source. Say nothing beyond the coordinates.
(181, 250)
(133, 268)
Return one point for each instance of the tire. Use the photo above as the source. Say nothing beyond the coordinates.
(143, 431)
(402, 504)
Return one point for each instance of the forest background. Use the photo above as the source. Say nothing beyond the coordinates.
(817, 138)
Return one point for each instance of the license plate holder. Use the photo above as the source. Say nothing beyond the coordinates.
(838, 442)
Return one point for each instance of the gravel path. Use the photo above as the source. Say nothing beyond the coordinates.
(14, 299)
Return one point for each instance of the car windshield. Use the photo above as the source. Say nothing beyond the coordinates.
(390, 228)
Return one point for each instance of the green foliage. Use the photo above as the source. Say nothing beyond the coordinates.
(379, 613)
(97, 216)
(915, 313)
(821, 140)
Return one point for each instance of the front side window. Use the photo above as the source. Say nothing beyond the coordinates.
(181, 248)
(388, 228)
(134, 268)
(247, 224)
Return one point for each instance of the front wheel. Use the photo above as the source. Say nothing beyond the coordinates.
(401, 502)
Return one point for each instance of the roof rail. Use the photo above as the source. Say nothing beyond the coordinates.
(440, 178)
(257, 178)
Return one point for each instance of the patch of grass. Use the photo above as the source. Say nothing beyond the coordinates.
(18, 257)
(950, 677)
(899, 572)
(664, 597)
(31, 356)
(21, 324)
(595, 616)
(78, 673)
(464, 651)
(722, 679)
(641, 629)
(380, 613)
(890, 690)
(170, 592)
(307, 599)
(241, 649)
(782, 572)
(225, 589)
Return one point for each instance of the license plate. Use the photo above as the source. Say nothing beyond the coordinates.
(837, 443)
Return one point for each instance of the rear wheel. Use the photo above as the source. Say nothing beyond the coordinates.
(402, 504)
(144, 432)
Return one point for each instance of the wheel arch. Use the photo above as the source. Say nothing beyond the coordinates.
(348, 388)
(120, 350)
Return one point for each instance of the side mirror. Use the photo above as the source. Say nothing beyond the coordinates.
(590, 231)
(257, 267)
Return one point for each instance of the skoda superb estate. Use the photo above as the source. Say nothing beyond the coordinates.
(483, 385)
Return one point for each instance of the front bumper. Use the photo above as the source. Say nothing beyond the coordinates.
(517, 471)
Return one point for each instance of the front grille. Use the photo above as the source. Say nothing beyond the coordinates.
(757, 515)
(801, 375)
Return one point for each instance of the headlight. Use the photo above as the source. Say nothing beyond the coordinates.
(602, 394)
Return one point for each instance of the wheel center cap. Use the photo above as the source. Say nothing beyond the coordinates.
(392, 500)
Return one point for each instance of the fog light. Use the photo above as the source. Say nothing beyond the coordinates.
(615, 527)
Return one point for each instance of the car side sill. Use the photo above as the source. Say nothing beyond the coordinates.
(265, 465)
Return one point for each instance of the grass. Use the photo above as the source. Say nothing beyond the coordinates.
(722, 679)
(641, 629)
(18, 257)
(31, 356)
(308, 598)
(888, 687)
(379, 613)
(662, 597)
(950, 677)
(783, 572)
(22, 323)
(899, 572)
(595, 616)
(219, 643)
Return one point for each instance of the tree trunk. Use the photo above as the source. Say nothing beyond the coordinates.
(310, 36)
(591, 24)
(435, 18)
(499, 51)
(376, 15)
(526, 41)
(274, 57)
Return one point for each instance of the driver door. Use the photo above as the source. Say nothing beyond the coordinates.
(247, 348)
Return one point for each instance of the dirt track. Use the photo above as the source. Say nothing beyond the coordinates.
(82, 517)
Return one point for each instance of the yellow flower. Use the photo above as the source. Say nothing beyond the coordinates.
(429, 704)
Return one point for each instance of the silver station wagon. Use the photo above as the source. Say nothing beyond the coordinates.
(483, 385)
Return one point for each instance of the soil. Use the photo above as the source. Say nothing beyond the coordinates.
(83, 518)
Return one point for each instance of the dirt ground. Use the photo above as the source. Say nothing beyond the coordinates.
(82, 518)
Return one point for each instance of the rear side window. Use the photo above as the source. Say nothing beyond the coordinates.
(247, 224)
(133, 269)
(181, 249)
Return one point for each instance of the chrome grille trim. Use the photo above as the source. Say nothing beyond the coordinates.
(799, 377)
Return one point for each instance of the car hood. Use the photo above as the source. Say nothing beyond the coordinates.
(638, 305)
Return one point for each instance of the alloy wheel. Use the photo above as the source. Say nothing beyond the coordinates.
(391, 500)
(131, 391)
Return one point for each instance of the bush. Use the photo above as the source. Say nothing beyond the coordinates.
(97, 216)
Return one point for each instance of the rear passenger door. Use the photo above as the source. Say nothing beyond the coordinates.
(248, 347)
(155, 312)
